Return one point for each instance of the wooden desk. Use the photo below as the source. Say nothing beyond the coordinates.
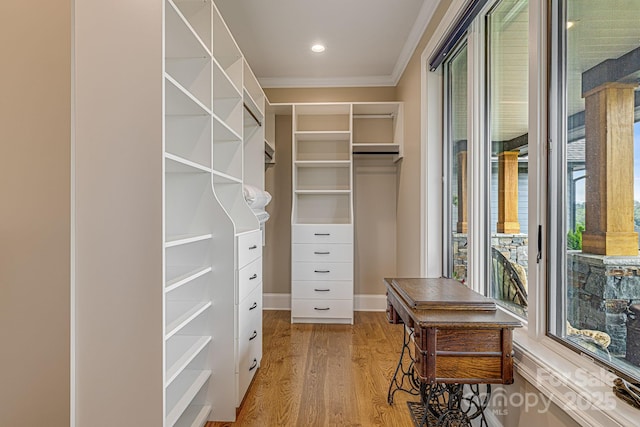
(455, 336)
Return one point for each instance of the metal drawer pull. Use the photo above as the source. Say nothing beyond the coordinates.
(322, 253)
(322, 271)
(321, 309)
(253, 247)
(255, 304)
(252, 337)
(253, 365)
(255, 276)
(322, 290)
(322, 234)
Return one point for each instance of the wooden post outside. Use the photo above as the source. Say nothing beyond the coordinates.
(609, 171)
(508, 193)
(461, 227)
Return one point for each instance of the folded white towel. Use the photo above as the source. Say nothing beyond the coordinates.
(256, 198)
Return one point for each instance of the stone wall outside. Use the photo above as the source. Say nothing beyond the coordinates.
(513, 246)
(600, 290)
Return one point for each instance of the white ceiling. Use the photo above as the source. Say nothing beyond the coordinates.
(368, 42)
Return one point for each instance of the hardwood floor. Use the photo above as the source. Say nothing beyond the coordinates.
(325, 375)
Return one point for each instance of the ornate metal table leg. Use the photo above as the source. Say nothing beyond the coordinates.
(475, 400)
(454, 405)
(404, 378)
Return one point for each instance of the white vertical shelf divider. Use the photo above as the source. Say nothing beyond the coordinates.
(204, 213)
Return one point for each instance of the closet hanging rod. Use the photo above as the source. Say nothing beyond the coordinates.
(246, 107)
(375, 152)
(374, 116)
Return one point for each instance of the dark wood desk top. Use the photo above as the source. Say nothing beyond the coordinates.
(439, 294)
(456, 318)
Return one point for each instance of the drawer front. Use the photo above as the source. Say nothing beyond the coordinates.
(249, 340)
(250, 313)
(487, 368)
(461, 355)
(249, 362)
(248, 278)
(337, 289)
(322, 252)
(249, 247)
(249, 347)
(322, 233)
(321, 271)
(322, 308)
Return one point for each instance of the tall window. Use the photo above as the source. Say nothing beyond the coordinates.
(456, 162)
(507, 152)
(595, 207)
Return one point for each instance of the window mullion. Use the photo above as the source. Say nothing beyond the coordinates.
(537, 180)
(476, 163)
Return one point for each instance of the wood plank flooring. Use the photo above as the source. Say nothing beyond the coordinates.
(325, 375)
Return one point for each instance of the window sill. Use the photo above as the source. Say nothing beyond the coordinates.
(579, 386)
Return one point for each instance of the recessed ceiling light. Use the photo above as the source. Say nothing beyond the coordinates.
(317, 48)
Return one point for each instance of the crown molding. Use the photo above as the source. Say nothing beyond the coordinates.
(410, 45)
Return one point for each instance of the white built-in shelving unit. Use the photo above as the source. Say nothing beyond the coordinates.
(212, 242)
(326, 137)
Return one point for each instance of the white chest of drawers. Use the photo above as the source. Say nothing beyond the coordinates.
(249, 311)
(322, 273)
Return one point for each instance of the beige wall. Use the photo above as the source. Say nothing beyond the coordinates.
(35, 189)
(409, 197)
(409, 188)
(374, 200)
(277, 251)
(119, 213)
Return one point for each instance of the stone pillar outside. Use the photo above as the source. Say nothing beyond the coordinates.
(508, 193)
(461, 226)
(609, 171)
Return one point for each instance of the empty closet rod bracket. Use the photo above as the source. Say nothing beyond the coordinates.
(246, 107)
